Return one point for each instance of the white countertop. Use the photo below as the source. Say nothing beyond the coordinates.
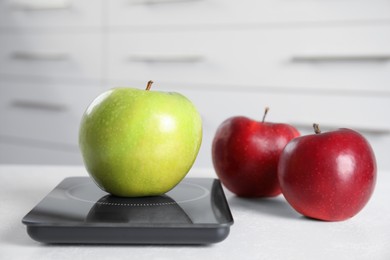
(263, 229)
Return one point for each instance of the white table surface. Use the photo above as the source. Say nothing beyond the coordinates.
(263, 229)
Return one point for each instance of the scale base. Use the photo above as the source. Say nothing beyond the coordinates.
(78, 212)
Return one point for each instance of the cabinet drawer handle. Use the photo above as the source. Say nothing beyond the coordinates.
(41, 5)
(169, 58)
(362, 130)
(38, 105)
(340, 58)
(42, 56)
(157, 2)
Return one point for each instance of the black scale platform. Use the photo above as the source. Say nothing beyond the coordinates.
(78, 212)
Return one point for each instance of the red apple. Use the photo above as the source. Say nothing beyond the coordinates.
(245, 155)
(328, 176)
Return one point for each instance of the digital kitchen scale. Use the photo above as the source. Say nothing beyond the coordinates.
(78, 212)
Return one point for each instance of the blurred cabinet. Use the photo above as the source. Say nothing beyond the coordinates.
(43, 112)
(311, 61)
(51, 68)
(336, 59)
(250, 13)
(53, 55)
(50, 14)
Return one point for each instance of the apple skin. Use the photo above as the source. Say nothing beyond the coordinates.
(328, 176)
(139, 142)
(245, 155)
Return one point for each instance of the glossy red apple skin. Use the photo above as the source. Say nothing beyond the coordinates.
(245, 155)
(328, 176)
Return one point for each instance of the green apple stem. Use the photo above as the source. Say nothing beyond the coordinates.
(317, 129)
(265, 113)
(150, 82)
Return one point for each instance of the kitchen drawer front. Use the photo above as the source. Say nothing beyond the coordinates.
(17, 153)
(48, 114)
(50, 13)
(327, 59)
(228, 12)
(368, 115)
(51, 55)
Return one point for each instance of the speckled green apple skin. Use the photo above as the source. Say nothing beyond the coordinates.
(139, 142)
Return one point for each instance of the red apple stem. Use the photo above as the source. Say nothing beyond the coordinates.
(265, 113)
(150, 82)
(317, 129)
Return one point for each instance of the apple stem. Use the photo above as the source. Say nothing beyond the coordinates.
(150, 82)
(265, 113)
(317, 129)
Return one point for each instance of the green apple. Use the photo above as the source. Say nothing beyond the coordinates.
(139, 142)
